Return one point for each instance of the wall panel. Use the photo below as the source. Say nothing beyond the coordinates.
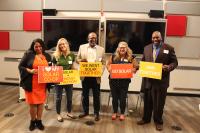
(185, 47)
(11, 20)
(22, 40)
(6, 5)
(142, 6)
(192, 24)
(109, 5)
(187, 8)
(73, 5)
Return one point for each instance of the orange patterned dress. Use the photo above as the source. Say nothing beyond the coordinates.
(38, 94)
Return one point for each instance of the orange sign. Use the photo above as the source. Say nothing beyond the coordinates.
(50, 74)
(121, 71)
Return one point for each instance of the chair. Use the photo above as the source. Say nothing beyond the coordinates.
(52, 92)
(110, 96)
(139, 102)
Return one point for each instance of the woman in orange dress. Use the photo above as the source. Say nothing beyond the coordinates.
(35, 92)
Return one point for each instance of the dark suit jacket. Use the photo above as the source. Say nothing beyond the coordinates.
(27, 62)
(166, 56)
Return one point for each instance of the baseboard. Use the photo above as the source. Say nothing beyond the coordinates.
(4, 83)
(130, 92)
(137, 92)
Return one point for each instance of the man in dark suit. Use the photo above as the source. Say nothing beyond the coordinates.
(155, 90)
(91, 52)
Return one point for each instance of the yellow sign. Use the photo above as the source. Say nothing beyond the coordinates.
(70, 77)
(90, 69)
(150, 70)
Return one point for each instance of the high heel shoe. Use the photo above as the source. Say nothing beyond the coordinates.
(122, 117)
(114, 116)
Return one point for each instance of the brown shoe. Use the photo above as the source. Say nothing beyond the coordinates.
(142, 122)
(159, 127)
(96, 118)
(83, 115)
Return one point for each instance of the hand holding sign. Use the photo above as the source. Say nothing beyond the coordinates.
(90, 69)
(121, 70)
(150, 70)
(50, 74)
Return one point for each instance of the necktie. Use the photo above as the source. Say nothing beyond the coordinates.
(154, 54)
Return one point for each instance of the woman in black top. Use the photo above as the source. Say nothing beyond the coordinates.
(119, 86)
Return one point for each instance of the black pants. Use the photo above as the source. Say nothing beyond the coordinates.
(90, 83)
(59, 91)
(154, 101)
(119, 89)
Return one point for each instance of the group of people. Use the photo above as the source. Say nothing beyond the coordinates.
(154, 90)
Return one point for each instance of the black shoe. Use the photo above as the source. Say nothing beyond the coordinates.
(39, 124)
(32, 125)
(83, 115)
(159, 127)
(142, 122)
(96, 118)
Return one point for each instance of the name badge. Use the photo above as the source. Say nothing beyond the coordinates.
(166, 51)
(70, 62)
(100, 59)
(125, 60)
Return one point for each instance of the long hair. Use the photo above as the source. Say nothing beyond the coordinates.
(58, 52)
(40, 41)
(128, 55)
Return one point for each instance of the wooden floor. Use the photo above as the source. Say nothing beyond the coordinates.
(179, 111)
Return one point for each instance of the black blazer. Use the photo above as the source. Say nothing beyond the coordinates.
(166, 56)
(27, 62)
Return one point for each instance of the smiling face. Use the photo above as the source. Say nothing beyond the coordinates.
(38, 48)
(92, 39)
(122, 49)
(156, 38)
(63, 46)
